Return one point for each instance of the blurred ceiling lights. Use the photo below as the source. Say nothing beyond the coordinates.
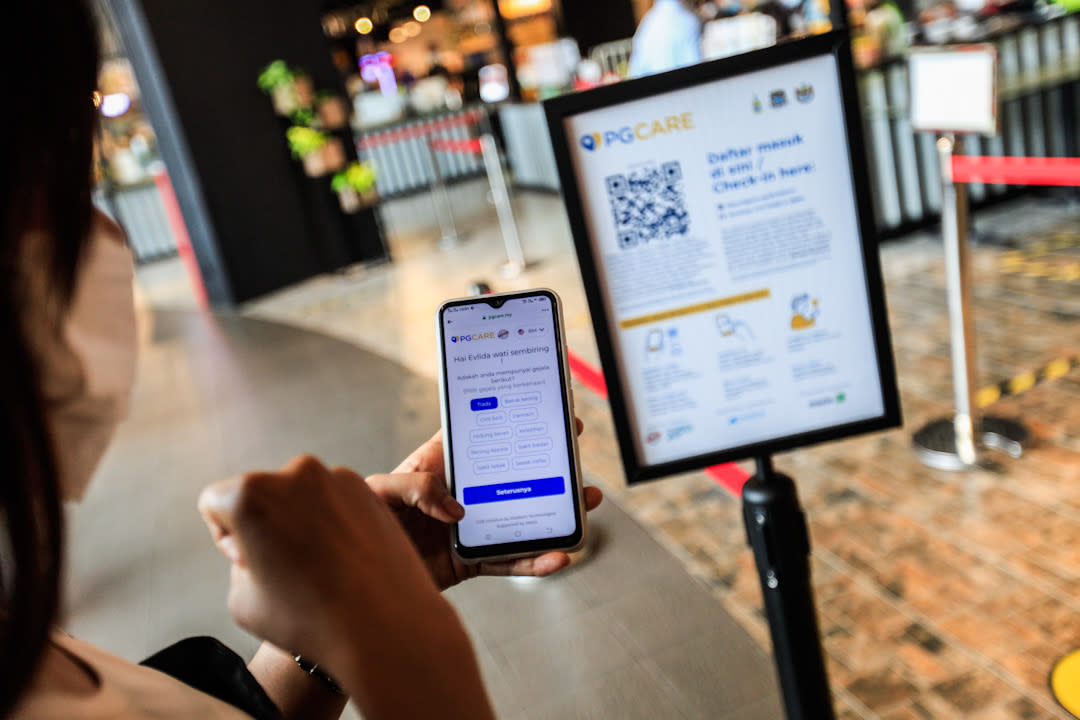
(115, 104)
(398, 35)
(364, 25)
(422, 13)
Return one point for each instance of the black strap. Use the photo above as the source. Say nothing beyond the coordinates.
(208, 666)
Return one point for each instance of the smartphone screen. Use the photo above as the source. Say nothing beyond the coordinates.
(509, 432)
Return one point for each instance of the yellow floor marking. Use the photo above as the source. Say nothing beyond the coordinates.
(1065, 682)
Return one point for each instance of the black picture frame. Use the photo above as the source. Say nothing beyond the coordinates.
(558, 110)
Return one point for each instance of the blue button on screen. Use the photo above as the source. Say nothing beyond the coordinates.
(484, 404)
(499, 492)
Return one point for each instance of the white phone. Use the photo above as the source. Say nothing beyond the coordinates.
(509, 436)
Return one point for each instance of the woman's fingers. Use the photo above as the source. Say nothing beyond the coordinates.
(421, 490)
(217, 505)
(593, 497)
(541, 566)
(426, 458)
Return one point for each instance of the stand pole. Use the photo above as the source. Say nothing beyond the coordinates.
(953, 444)
(776, 530)
(440, 201)
(515, 256)
(954, 225)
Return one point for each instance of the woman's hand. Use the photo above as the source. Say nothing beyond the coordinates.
(417, 492)
(321, 567)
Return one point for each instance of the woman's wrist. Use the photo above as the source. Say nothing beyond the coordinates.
(297, 694)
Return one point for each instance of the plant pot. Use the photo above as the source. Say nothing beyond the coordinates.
(315, 164)
(333, 114)
(284, 99)
(350, 200)
(305, 91)
(333, 154)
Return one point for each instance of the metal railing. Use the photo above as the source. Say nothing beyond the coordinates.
(139, 210)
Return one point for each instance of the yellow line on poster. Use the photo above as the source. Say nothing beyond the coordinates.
(696, 308)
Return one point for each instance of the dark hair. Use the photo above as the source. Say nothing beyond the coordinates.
(46, 147)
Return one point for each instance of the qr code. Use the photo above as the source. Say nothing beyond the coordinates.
(648, 204)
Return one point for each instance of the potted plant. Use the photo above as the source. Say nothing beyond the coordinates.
(307, 144)
(355, 186)
(333, 154)
(289, 89)
(332, 111)
(277, 80)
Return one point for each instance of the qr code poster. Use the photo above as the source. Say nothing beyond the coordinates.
(648, 203)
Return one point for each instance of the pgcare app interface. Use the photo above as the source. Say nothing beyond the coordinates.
(507, 424)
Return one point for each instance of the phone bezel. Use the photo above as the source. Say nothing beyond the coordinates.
(526, 548)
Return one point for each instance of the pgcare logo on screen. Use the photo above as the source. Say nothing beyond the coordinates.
(490, 335)
(641, 131)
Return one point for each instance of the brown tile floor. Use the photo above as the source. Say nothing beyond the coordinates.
(940, 594)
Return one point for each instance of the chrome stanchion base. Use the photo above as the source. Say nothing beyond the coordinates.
(935, 443)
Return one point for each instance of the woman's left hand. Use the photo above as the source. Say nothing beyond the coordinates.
(417, 493)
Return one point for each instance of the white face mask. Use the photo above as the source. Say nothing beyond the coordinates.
(87, 366)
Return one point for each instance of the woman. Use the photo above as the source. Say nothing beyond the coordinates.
(324, 563)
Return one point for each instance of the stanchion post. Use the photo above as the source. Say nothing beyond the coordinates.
(954, 443)
(440, 200)
(499, 193)
(954, 227)
(776, 531)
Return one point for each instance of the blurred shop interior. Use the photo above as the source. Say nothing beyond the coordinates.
(360, 103)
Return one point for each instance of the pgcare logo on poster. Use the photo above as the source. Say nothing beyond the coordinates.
(647, 130)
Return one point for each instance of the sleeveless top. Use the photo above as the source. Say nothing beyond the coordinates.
(126, 691)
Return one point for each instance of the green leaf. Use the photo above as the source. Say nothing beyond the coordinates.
(304, 140)
(304, 116)
(275, 74)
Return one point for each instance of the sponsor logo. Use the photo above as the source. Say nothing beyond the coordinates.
(677, 432)
(503, 334)
(778, 98)
(804, 93)
(654, 437)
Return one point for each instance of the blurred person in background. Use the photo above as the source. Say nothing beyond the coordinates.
(323, 563)
(669, 36)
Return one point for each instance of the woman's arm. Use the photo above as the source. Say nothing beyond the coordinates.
(297, 694)
(321, 566)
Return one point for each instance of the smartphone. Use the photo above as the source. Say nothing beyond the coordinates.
(509, 439)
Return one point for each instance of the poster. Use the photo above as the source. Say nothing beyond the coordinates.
(723, 223)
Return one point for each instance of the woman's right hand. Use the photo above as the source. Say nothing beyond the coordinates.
(321, 567)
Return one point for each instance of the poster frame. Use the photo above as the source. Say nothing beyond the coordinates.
(557, 110)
